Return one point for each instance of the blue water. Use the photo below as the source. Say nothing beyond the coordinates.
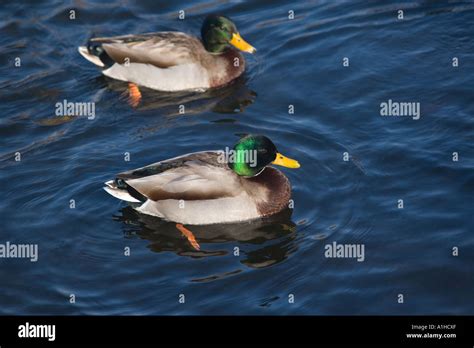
(408, 251)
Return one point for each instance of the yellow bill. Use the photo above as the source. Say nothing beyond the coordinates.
(241, 44)
(281, 160)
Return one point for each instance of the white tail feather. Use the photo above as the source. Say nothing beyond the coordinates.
(121, 194)
(91, 58)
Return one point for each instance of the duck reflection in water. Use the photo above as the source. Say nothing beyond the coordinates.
(262, 242)
(230, 99)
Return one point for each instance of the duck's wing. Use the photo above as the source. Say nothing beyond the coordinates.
(162, 49)
(196, 176)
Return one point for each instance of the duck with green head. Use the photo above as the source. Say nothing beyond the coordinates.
(173, 61)
(210, 187)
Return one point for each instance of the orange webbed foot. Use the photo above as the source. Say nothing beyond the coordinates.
(134, 94)
(189, 235)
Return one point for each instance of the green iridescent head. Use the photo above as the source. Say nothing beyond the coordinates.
(253, 153)
(218, 33)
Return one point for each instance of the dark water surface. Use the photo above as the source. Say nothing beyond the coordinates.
(337, 109)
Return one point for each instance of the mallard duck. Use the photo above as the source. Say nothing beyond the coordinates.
(173, 61)
(210, 187)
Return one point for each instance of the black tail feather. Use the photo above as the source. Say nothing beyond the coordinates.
(96, 49)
